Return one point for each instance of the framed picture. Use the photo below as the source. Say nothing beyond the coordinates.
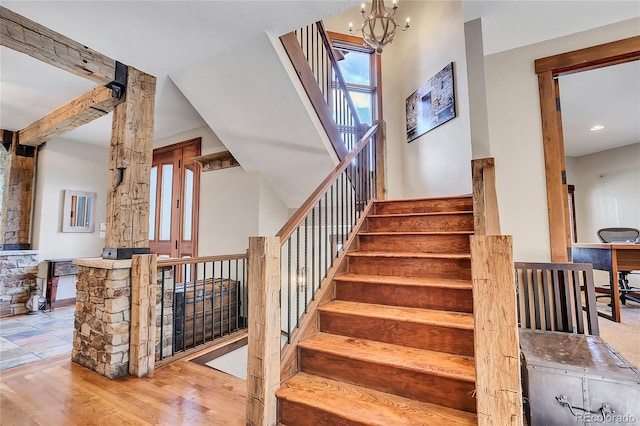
(432, 104)
(79, 211)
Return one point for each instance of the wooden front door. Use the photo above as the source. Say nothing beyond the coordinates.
(174, 196)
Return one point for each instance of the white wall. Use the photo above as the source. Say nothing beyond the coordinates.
(516, 136)
(439, 162)
(64, 164)
(273, 212)
(607, 190)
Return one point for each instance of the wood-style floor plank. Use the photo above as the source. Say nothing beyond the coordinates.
(58, 392)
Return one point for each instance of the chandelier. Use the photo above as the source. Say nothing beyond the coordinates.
(379, 27)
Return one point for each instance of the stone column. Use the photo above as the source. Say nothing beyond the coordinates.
(18, 270)
(103, 316)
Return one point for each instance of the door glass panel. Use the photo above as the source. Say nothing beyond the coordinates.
(153, 186)
(188, 204)
(165, 201)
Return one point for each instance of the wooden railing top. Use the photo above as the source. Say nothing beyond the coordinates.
(308, 205)
(188, 260)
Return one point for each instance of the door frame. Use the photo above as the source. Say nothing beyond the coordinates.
(548, 70)
(176, 241)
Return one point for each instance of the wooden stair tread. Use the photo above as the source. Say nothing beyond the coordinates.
(368, 406)
(406, 281)
(456, 320)
(454, 212)
(392, 254)
(425, 233)
(457, 367)
(412, 200)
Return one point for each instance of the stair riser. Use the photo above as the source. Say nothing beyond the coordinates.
(432, 223)
(298, 414)
(443, 391)
(404, 333)
(411, 267)
(415, 243)
(425, 206)
(443, 299)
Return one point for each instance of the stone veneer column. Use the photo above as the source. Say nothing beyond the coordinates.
(18, 270)
(103, 316)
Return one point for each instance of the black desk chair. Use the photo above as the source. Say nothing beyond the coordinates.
(621, 235)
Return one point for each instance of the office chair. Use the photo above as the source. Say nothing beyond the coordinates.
(621, 235)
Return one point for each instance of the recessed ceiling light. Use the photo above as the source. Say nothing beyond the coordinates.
(596, 128)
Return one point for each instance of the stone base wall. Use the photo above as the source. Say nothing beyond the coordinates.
(18, 271)
(103, 316)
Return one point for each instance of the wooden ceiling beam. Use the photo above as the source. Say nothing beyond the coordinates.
(23, 35)
(84, 109)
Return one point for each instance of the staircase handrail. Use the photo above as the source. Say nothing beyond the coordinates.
(319, 85)
(306, 207)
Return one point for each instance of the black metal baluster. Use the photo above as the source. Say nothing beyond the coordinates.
(229, 296)
(298, 273)
(313, 253)
(342, 177)
(238, 295)
(306, 263)
(319, 278)
(245, 321)
(184, 309)
(195, 286)
(289, 290)
(162, 274)
(204, 303)
(332, 233)
(213, 300)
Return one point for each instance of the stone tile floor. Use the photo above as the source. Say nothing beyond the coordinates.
(26, 338)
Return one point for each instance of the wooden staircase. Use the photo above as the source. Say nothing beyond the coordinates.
(395, 347)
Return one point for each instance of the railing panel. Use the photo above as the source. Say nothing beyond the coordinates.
(313, 238)
(199, 300)
(560, 293)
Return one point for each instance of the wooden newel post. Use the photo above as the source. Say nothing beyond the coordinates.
(130, 168)
(497, 352)
(263, 366)
(142, 343)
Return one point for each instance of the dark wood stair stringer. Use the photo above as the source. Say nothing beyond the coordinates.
(395, 346)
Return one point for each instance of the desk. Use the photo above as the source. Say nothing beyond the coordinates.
(610, 257)
(56, 269)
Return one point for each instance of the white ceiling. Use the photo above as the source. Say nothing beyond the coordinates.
(172, 38)
(609, 97)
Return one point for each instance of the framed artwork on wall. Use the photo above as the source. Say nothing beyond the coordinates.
(432, 104)
(79, 211)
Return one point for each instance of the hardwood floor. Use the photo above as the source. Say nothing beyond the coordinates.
(57, 392)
